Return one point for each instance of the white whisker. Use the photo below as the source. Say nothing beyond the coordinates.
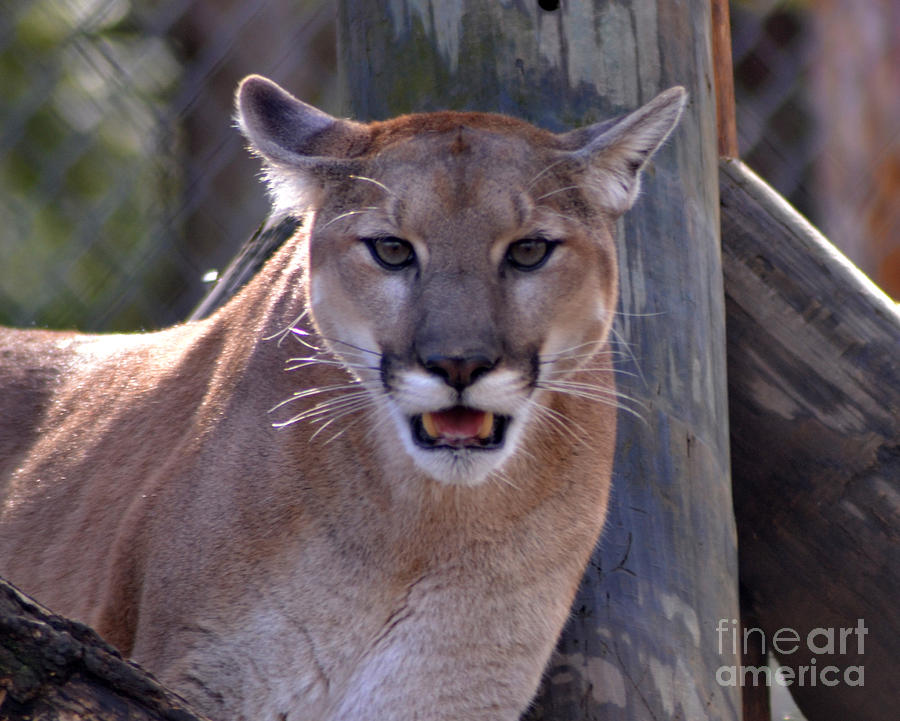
(579, 385)
(546, 169)
(563, 423)
(291, 328)
(347, 425)
(327, 408)
(351, 345)
(550, 375)
(558, 190)
(335, 408)
(337, 417)
(299, 395)
(374, 182)
(639, 315)
(297, 363)
(547, 210)
(622, 342)
(571, 385)
(600, 394)
(571, 349)
(611, 354)
(349, 213)
(503, 477)
(297, 337)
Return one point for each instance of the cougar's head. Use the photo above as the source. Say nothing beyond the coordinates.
(461, 265)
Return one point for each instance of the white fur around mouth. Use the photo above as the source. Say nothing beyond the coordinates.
(459, 427)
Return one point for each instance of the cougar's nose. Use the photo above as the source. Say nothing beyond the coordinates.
(459, 372)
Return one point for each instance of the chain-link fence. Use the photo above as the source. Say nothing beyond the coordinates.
(817, 87)
(772, 50)
(123, 182)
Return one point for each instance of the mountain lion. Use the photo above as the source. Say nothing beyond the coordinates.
(366, 487)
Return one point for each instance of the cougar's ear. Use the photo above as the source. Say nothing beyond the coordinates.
(610, 155)
(302, 146)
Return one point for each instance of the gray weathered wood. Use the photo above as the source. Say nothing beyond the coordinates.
(52, 668)
(642, 641)
(814, 394)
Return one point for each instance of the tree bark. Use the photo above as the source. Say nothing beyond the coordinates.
(814, 395)
(642, 641)
(54, 669)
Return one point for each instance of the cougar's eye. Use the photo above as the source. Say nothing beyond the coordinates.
(529, 253)
(390, 252)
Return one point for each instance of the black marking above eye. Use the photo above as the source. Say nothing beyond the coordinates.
(530, 253)
(391, 252)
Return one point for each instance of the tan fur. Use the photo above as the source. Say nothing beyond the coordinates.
(275, 573)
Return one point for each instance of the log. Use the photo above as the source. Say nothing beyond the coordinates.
(52, 668)
(814, 399)
(250, 258)
(642, 642)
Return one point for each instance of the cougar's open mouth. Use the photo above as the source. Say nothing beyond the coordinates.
(459, 427)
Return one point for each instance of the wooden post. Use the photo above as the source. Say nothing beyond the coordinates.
(643, 640)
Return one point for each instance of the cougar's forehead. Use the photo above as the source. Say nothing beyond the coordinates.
(460, 176)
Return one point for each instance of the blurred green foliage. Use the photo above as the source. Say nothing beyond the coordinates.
(88, 166)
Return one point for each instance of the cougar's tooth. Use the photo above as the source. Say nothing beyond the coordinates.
(429, 425)
(487, 425)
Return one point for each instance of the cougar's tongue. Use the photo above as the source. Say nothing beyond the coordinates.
(458, 423)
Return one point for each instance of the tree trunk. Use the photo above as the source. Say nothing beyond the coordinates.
(642, 642)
